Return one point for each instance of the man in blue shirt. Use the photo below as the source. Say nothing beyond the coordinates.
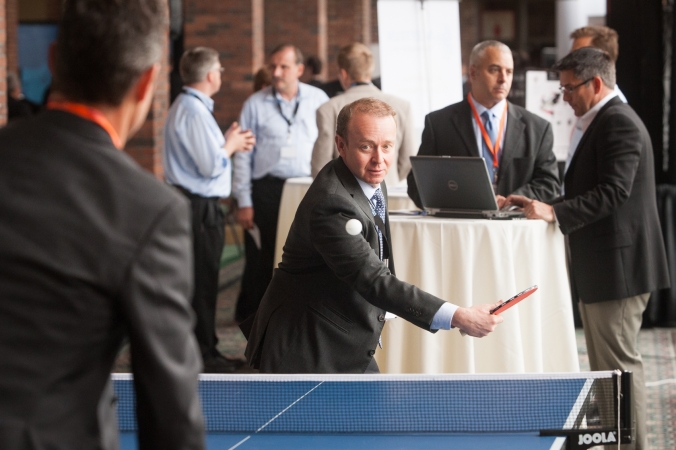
(196, 160)
(283, 119)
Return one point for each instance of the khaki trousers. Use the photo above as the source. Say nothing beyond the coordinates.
(611, 331)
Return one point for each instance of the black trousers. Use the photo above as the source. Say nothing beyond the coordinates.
(208, 223)
(266, 194)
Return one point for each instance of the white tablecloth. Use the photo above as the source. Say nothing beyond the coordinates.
(471, 262)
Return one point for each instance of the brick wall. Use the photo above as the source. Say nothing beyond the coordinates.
(344, 27)
(227, 26)
(3, 64)
(12, 24)
(292, 21)
(469, 28)
(146, 146)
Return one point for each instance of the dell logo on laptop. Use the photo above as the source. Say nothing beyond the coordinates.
(453, 185)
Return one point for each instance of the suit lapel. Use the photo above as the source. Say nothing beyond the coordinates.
(350, 183)
(585, 136)
(461, 119)
(387, 238)
(513, 140)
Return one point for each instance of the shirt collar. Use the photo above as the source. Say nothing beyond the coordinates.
(204, 98)
(273, 94)
(367, 188)
(587, 118)
(495, 111)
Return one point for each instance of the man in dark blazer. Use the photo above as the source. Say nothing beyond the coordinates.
(609, 216)
(325, 307)
(525, 163)
(93, 249)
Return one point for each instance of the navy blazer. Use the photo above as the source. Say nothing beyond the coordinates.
(609, 211)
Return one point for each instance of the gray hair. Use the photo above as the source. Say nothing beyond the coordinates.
(587, 63)
(480, 48)
(104, 46)
(196, 63)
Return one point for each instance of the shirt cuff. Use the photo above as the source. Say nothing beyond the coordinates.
(244, 200)
(442, 319)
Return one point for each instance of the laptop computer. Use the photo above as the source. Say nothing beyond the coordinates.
(457, 186)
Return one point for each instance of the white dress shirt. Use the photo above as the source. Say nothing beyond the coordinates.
(443, 317)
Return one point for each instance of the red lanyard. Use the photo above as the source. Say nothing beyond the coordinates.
(494, 150)
(88, 113)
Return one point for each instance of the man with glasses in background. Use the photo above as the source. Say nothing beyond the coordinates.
(603, 38)
(609, 216)
(197, 161)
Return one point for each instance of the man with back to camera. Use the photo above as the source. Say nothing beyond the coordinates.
(325, 307)
(609, 215)
(355, 62)
(197, 161)
(93, 248)
(283, 119)
(486, 124)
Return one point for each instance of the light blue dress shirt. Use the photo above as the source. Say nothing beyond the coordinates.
(193, 154)
(282, 150)
(443, 317)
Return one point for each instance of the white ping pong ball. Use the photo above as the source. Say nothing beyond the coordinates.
(353, 227)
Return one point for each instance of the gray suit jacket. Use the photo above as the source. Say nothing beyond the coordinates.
(92, 249)
(325, 147)
(324, 309)
(609, 211)
(527, 165)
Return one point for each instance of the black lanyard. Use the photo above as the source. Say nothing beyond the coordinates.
(192, 94)
(279, 105)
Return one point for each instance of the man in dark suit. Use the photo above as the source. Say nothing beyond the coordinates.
(485, 124)
(93, 248)
(325, 307)
(609, 216)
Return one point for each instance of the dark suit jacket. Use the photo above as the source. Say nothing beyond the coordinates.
(527, 165)
(609, 211)
(92, 248)
(324, 309)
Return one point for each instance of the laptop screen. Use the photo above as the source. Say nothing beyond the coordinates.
(453, 183)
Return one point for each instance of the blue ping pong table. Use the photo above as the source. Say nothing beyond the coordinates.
(373, 412)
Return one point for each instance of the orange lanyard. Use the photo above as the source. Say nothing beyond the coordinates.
(88, 113)
(494, 150)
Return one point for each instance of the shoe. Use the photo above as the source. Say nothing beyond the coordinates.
(221, 364)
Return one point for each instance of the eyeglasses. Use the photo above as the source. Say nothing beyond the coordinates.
(569, 90)
(220, 69)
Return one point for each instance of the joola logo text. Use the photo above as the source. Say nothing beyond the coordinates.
(597, 438)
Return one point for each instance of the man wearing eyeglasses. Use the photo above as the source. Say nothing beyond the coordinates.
(197, 161)
(603, 38)
(515, 143)
(609, 216)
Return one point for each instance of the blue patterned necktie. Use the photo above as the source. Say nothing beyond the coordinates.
(492, 134)
(378, 202)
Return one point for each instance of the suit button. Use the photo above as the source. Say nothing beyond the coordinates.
(372, 352)
(381, 318)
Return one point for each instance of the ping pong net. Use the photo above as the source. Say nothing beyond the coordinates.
(587, 409)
